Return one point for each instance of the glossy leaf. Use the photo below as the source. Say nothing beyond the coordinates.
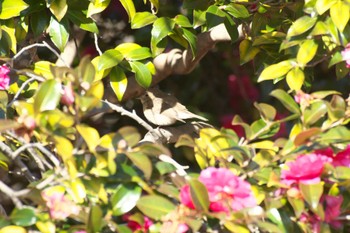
(138, 54)
(191, 39)
(315, 112)
(237, 11)
(78, 190)
(95, 219)
(39, 23)
(119, 82)
(48, 96)
(141, 161)
(182, 21)
(287, 101)
(301, 25)
(304, 136)
(142, 19)
(82, 21)
(97, 6)
(295, 78)
(142, 74)
(276, 70)
(312, 193)
(266, 111)
(12, 8)
(306, 52)
(125, 198)
(59, 9)
(13, 229)
(23, 217)
(199, 195)
(214, 16)
(323, 5)
(129, 7)
(340, 13)
(109, 59)
(59, 33)
(155, 206)
(298, 205)
(161, 28)
(247, 51)
(90, 136)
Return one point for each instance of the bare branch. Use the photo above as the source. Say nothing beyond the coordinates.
(13, 195)
(96, 44)
(132, 115)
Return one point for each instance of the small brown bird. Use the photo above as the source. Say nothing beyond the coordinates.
(164, 109)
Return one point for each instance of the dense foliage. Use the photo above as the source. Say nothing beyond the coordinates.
(71, 72)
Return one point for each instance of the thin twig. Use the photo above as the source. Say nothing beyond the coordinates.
(24, 169)
(31, 79)
(96, 44)
(56, 53)
(132, 115)
(13, 195)
(180, 170)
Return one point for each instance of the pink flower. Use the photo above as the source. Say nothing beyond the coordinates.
(346, 55)
(60, 206)
(182, 228)
(332, 210)
(342, 158)
(312, 220)
(68, 95)
(4, 77)
(306, 169)
(136, 226)
(185, 196)
(226, 191)
(80, 231)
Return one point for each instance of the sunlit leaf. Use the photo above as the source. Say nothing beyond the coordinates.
(59, 33)
(59, 9)
(119, 82)
(301, 25)
(340, 13)
(287, 101)
(125, 198)
(48, 96)
(247, 51)
(276, 70)
(142, 19)
(306, 52)
(129, 7)
(295, 78)
(109, 59)
(12, 8)
(142, 74)
(155, 206)
(312, 193)
(199, 195)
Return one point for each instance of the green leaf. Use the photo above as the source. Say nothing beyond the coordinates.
(48, 96)
(97, 6)
(287, 101)
(138, 54)
(95, 221)
(276, 70)
(11, 8)
(109, 59)
(314, 112)
(129, 7)
(298, 205)
(336, 58)
(23, 217)
(312, 193)
(141, 161)
(142, 19)
(58, 32)
(39, 23)
(340, 14)
(90, 136)
(155, 5)
(304, 136)
(191, 39)
(142, 75)
(342, 172)
(301, 25)
(247, 51)
(323, 5)
(267, 112)
(119, 82)
(155, 206)
(341, 70)
(199, 195)
(306, 52)
(59, 9)
(82, 21)
(237, 11)
(214, 16)
(125, 198)
(161, 28)
(86, 70)
(295, 78)
(182, 21)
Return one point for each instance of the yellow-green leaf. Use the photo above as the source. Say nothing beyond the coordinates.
(155, 206)
(13, 229)
(48, 96)
(59, 9)
(340, 14)
(129, 7)
(295, 78)
(306, 52)
(97, 6)
(301, 25)
(12, 8)
(247, 51)
(119, 82)
(323, 5)
(90, 136)
(276, 70)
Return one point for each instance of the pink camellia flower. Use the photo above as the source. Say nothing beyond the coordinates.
(332, 210)
(342, 158)
(68, 95)
(346, 55)
(135, 226)
(80, 231)
(4, 77)
(185, 196)
(59, 205)
(226, 191)
(182, 228)
(312, 220)
(306, 169)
